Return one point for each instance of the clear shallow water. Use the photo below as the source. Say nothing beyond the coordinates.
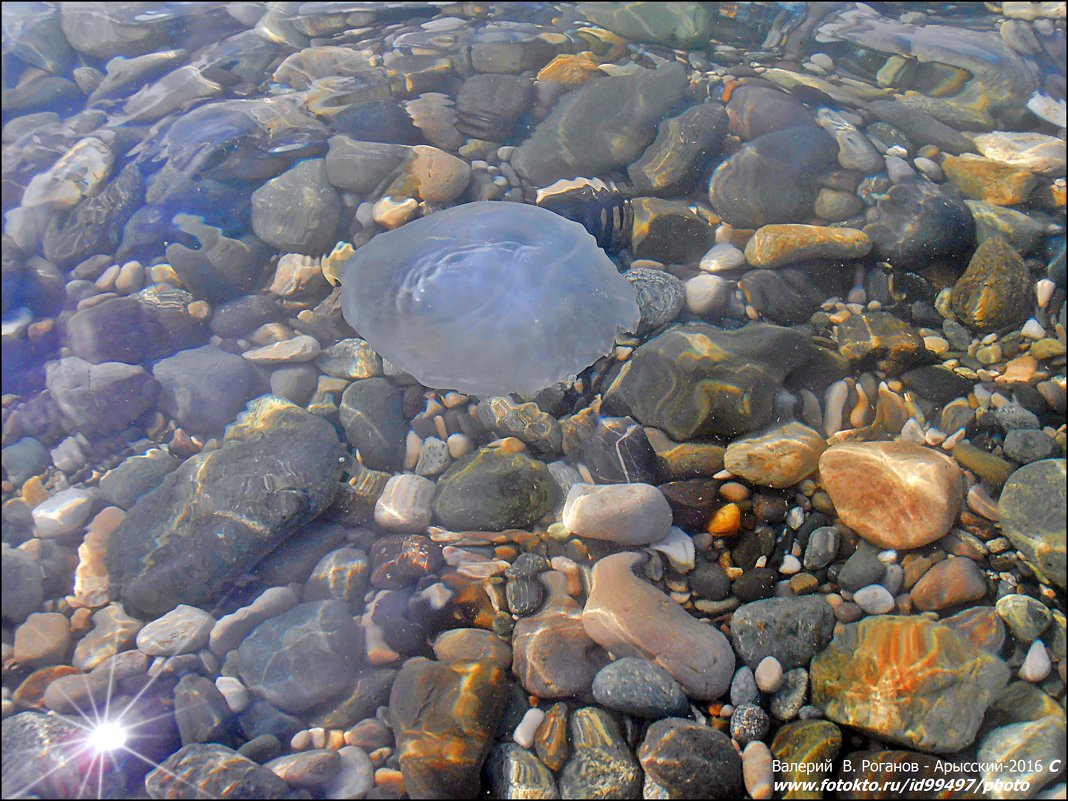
(276, 562)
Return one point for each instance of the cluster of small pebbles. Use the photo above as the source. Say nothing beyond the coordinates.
(811, 509)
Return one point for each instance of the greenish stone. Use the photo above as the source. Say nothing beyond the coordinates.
(370, 413)
(880, 340)
(1047, 348)
(493, 489)
(682, 25)
(995, 291)
(1025, 616)
(1021, 231)
(806, 742)
(1032, 509)
(697, 381)
(992, 469)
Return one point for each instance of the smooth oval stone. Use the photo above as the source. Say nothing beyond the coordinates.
(779, 245)
(487, 298)
(690, 760)
(630, 617)
(894, 494)
(630, 514)
(777, 458)
(995, 290)
(1031, 509)
(640, 688)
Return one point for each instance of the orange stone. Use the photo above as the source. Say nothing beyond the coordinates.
(907, 680)
(949, 583)
(893, 494)
(983, 179)
(726, 521)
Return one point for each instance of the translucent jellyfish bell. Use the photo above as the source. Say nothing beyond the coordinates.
(487, 298)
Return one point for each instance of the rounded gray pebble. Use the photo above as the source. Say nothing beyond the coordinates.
(639, 688)
(749, 722)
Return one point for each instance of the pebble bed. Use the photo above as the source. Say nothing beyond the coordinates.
(803, 520)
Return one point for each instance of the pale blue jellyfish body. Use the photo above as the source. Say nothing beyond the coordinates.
(487, 298)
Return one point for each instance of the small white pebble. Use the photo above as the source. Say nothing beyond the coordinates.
(887, 557)
(790, 565)
(300, 740)
(528, 727)
(934, 437)
(768, 675)
(756, 770)
(897, 150)
(913, 432)
(318, 737)
(1044, 291)
(795, 518)
(874, 599)
(233, 692)
(761, 561)
(1036, 665)
(952, 440)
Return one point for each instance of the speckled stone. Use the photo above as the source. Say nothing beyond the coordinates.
(907, 680)
(515, 772)
(894, 494)
(790, 629)
(601, 764)
(1032, 513)
(638, 687)
(690, 760)
(1025, 616)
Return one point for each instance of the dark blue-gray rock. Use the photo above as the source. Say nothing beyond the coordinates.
(617, 451)
(203, 770)
(100, 399)
(243, 315)
(515, 772)
(602, 125)
(683, 145)
(668, 231)
(755, 110)
(936, 383)
(341, 575)
(790, 629)
(749, 722)
(201, 711)
(822, 548)
(660, 296)
(638, 687)
(299, 210)
(221, 512)
(136, 476)
(295, 382)
(365, 694)
(1014, 417)
(755, 583)
(709, 581)
(689, 760)
(786, 296)
(25, 458)
(772, 178)
(260, 719)
(364, 167)
(302, 657)
(601, 763)
(861, 568)
(488, 106)
(920, 127)
(221, 267)
(95, 224)
(22, 589)
(1026, 446)
(917, 221)
(1031, 509)
(203, 389)
(371, 415)
(41, 759)
(744, 688)
(696, 380)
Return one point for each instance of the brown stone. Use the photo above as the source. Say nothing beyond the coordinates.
(984, 179)
(779, 245)
(630, 617)
(43, 639)
(995, 291)
(456, 644)
(780, 457)
(551, 741)
(949, 583)
(681, 460)
(893, 494)
(444, 717)
(552, 655)
(907, 680)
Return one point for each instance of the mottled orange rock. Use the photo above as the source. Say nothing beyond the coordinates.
(778, 245)
(949, 583)
(984, 179)
(908, 680)
(570, 70)
(780, 457)
(893, 494)
(726, 521)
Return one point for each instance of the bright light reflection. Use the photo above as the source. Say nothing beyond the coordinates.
(107, 735)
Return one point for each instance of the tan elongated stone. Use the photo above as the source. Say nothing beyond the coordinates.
(779, 245)
(777, 458)
(630, 617)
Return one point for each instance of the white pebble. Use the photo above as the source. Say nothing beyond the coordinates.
(887, 557)
(391, 213)
(790, 565)
(355, 777)
(458, 444)
(795, 518)
(1044, 291)
(756, 770)
(722, 258)
(929, 168)
(768, 675)
(679, 549)
(952, 440)
(1033, 329)
(233, 692)
(706, 292)
(528, 727)
(897, 150)
(318, 737)
(874, 599)
(822, 60)
(62, 514)
(912, 431)
(1036, 665)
